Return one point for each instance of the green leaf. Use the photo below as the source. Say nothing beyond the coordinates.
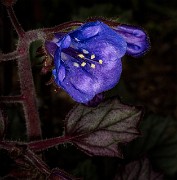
(101, 130)
(35, 60)
(159, 140)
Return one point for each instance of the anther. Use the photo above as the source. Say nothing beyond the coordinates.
(92, 56)
(93, 66)
(81, 56)
(85, 51)
(101, 61)
(83, 64)
(75, 64)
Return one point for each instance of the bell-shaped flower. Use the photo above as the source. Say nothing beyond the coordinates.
(88, 60)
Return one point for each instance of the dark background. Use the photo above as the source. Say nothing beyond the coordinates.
(149, 81)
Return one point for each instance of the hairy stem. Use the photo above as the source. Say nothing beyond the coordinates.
(11, 99)
(34, 159)
(26, 83)
(37, 162)
(62, 27)
(10, 56)
(29, 99)
(6, 145)
(48, 143)
(15, 22)
(3, 121)
(111, 23)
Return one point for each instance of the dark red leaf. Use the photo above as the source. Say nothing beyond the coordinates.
(139, 170)
(100, 130)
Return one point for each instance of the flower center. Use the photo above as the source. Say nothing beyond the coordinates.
(82, 58)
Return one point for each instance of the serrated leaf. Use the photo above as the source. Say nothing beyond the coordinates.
(159, 140)
(139, 170)
(100, 130)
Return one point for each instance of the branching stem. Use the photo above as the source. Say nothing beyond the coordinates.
(27, 154)
(6, 145)
(29, 99)
(11, 99)
(10, 56)
(37, 162)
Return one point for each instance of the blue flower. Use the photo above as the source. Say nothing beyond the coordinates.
(136, 39)
(88, 60)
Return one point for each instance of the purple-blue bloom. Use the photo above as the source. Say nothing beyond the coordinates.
(88, 60)
(136, 39)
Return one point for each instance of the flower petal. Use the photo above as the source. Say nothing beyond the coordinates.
(74, 92)
(108, 45)
(64, 42)
(50, 47)
(98, 98)
(61, 73)
(57, 58)
(90, 31)
(83, 85)
(137, 40)
(86, 31)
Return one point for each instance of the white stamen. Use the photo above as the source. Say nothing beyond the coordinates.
(93, 66)
(92, 56)
(101, 61)
(75, 64)
(76, 39)
(85, 51)
(81, 56)
(83, 64)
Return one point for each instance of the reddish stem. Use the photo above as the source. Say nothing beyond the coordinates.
(29, 99)
(3, 121)
(27, 154)
(10, 56)
(26, 83)
(15, 22)
(37, 162)
(6, 145)
(62, 27)
(109, 22)
(48, 143)
(11, 99)
(39, 145)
